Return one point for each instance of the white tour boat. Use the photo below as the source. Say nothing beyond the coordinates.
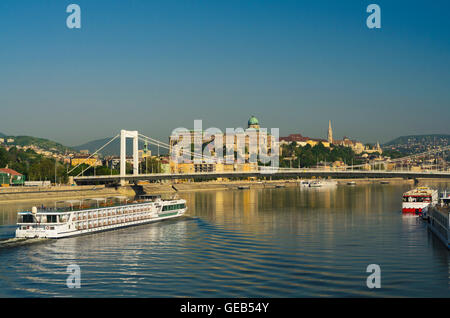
(78, 217)
(419, 199)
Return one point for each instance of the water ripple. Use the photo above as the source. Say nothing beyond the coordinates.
(258, 243)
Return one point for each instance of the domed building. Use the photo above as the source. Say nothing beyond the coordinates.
(253, 122)
(247, 148)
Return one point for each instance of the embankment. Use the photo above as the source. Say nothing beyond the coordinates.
(230, 185)
(78, 192)
(61, 192)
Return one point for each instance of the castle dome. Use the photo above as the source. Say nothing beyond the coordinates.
(253, 121)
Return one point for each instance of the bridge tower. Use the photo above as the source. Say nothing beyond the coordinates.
(124, 134)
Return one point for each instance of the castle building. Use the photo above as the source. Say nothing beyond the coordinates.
(217, 164)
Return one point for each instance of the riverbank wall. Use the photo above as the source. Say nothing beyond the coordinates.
(61, 192)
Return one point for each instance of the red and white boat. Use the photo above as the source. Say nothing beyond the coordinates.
(418, 200)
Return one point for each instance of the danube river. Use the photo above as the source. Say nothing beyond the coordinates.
(287, 242)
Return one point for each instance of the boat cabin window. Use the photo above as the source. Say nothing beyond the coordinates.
(416, 199)
(27, 218)
(174, 207)
(52, 219)
(147, 197)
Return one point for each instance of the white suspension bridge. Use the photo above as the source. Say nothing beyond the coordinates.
(348, 171)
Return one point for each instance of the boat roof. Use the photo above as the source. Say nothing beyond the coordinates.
(118, 197)
(95, 199)
(69, 201)
(420, 191)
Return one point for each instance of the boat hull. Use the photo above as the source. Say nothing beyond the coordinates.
(438, 218)
(414, 208)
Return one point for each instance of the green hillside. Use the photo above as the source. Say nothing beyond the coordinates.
(415, 144)
(41, 143)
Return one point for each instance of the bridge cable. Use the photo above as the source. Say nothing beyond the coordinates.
(91, 156)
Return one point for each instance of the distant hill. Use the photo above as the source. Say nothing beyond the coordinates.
(436, 138)
(113, 149)
(417, 143)
(41, 143)
(2, 135)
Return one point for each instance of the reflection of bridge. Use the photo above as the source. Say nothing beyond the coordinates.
(343, 172)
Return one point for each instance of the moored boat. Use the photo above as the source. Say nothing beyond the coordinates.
(76, 217)
(304, 183)
(439, 216)
(315, 184)
(416, 200)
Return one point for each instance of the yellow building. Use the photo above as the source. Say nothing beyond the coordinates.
(84, 159)
(221, 167)
(390, 166)
(312, 143)
(181, 167)
(315, 142)
(247, 167)
(211, 167)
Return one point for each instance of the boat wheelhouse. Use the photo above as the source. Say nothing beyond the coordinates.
(439, 219)
(304, 183)
(417, 200)
(76, 217)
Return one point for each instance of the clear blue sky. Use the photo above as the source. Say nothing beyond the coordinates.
(157, 65)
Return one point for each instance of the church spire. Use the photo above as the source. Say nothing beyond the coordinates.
(330, 133)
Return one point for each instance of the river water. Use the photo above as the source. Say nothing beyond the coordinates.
(287, 242)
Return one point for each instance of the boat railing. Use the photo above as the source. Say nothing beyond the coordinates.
(44, 209)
